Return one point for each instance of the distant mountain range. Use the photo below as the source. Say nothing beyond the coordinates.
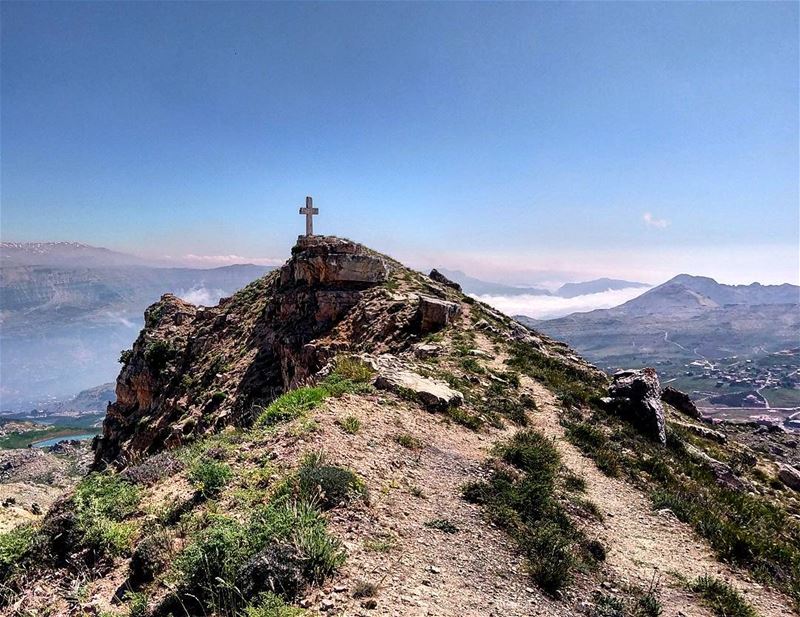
(477, 287)
(67, 309)
(686, 318)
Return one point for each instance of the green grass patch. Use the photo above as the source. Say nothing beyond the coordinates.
(723, 599)
(527, 507)
(409, 441)
(209, 477)
(102, 503)
(349, 424)
(573, 386)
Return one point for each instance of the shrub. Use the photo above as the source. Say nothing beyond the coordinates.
(283, 547)
(723, 599)
(158, 354)
(16, 546)
(349, 424)
(442, 524)
(329, 485)
(209, 477)
(464, 418)
(153, 469)
(364, 589)
(409, 441)
(597, 445)
(102, 502)
(125, 356)
(354, 369)
(574, 386)
(150, 557)
(267, 604)
(218, 397)
(291, 405)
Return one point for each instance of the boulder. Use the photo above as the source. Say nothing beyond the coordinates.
(790, 476)
(723, 474)
(680, 401)
(636, 395)
(434, 314)
(441, 278)
(434, 395)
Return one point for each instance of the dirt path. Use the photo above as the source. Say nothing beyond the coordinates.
(642, 541)
(423, 571)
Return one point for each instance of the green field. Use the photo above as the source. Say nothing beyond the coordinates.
(23, 440)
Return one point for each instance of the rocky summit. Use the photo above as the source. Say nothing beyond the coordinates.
(346, 436)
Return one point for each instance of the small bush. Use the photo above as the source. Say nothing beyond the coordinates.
(597, 445)
(291, 405)
(442, 524)
(723, 599)
(464, 418)
(218, 397)
(158, 354)
(318, 481)
(380, 544)
(150, 557)
(596, 549)
(364, 589)
(153, 469)
(527, 507)
(354, 369)
(209, 477)
(409, 441)
(349, 424)
(125, 356)
(102, 502)
(270, 605)
(16, 546)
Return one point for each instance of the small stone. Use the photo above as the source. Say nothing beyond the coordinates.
(326, 604)
(369, 603)
(435, 569)
(339, 588)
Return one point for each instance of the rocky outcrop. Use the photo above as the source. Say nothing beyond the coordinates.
(681, 401)
(193, 369)
(790, 476)
(435, 314)
(441, 278)
(723, 474)
(636, 395)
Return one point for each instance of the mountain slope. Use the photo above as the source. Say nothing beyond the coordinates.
(336, 436)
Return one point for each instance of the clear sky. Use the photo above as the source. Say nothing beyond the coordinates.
(522, 142)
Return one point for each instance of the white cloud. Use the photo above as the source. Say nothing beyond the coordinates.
(202, 296)
(549, 307)
(652, 221)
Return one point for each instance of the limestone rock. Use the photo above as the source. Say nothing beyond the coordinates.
(790, 476)
(636, 395)
(435, 314)
(396, 377)
(441, 278)
(680, 401)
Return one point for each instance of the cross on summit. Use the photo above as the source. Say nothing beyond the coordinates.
(309, 211)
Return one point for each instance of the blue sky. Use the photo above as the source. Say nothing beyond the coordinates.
(523, 142)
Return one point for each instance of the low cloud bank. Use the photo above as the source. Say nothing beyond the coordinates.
(202, 296)
(549, 307)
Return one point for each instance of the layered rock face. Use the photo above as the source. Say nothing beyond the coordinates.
(194, 369)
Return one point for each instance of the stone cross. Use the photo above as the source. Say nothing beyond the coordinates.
(309, 211)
